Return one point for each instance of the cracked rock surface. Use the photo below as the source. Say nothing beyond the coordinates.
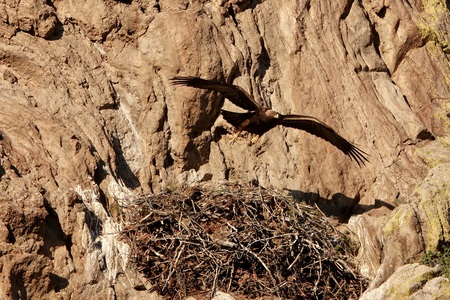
(89, 121)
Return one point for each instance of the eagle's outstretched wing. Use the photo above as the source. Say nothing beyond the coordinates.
(319, 129)
(234, 93)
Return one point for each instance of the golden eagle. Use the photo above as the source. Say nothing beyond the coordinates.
(259, 119)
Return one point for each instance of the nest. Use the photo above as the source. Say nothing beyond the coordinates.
(249, 242)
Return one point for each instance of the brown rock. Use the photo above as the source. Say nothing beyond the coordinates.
(396, 29)
(387, 242)
(26, 275)
(88, 120)
(410, 282)
(34, 17)
(431, 200)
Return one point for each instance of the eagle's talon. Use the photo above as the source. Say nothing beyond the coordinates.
(254, 139)
(234, 138)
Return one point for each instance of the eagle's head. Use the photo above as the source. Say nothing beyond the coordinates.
(271, 114)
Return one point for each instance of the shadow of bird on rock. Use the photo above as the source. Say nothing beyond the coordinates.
(339, 206)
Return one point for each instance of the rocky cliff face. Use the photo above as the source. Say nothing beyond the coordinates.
(89, 120)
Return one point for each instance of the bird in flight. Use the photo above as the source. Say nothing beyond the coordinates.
(258, 119)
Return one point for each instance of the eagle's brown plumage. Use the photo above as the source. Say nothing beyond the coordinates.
(259, 119)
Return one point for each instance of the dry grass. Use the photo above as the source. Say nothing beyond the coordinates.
(246, 241)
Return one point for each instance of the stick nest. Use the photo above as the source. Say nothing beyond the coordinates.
(249, 242)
